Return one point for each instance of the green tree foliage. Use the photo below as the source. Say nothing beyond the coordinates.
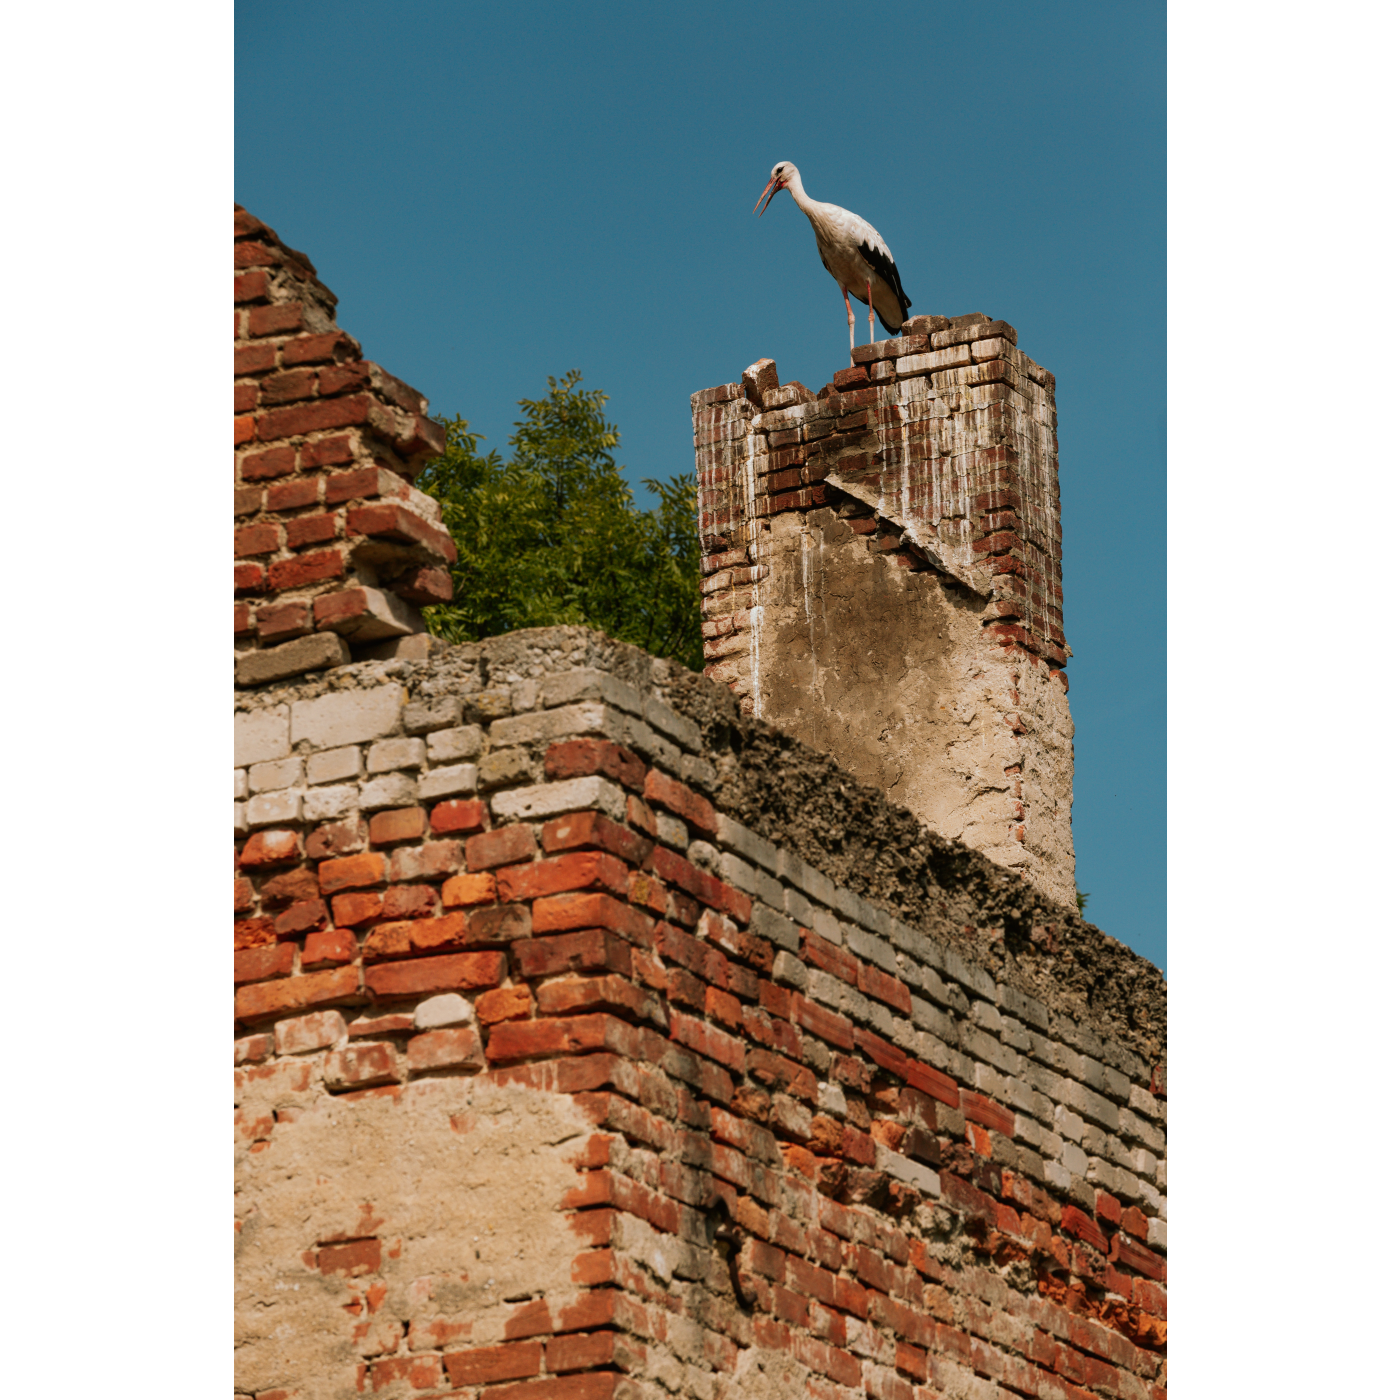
(553, 535)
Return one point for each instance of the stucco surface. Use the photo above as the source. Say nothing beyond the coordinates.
(460, 1182)
(889, 672)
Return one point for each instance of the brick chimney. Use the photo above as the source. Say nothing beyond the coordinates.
(334, 550)
(882, 578)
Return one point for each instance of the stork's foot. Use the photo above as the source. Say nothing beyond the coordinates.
(870, 302)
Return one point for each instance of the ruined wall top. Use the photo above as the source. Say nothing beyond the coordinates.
(334, 549)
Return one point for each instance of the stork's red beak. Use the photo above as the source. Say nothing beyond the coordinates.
(770, 189)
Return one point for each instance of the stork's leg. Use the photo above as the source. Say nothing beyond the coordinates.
(850, 318)
(870, 302)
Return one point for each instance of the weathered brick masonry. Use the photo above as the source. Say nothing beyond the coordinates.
(883, 578)
(333, 548)
(596, 1039)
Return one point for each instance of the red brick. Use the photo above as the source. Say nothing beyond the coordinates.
(311, 349)
(289, 386)
(1134, 1221)
(269, 960)
(1137, 1257)
(252, 933)
(482, 1365)
(421, 935)
(459, 815)
(245, 398)
(269, 848)
(681, 800)
(452, 973)
(520, 1040)
(445, 1049)
(283, 620)
(389, 520)
(888, 989)
(275, 320)
(1150, 1296)
(336, 839)
(721, 1006)
(569, 911)
(252, 540)
(778, 1072)
(827, 956)
(289, 887)
(594, 829)
(296, 993)
(310, 529)
(328, 948)
(325, 452)
(307, 568)
(430, 861)
(305, 916)
(242, 431)
(358, 907)
(464, 890)
(991, 1115)
(504, 1004)
(292, 495)
(252, 1049)
(570, 995)
(398, 824)
(593, 949)
(334, 608)
(421, 1372)
(302, 419)
(1108, 1208)
(361, 1066)
(410, 902)
(834, 1029)
(1074, 1222)
(580, 1350)
(424, 586)
(575, 758)
(364, 1026)
(242, 619)
(502, 847)
(677, 871)
(707, 1040)
(351, 872)
(362, 482)
(249, 578)
(581, 871)
(350, 1258)
(253, 359)
(242, 894)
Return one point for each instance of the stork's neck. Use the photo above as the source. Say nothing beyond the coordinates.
(801, 198)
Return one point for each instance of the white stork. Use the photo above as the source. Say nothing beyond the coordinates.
(851, 251)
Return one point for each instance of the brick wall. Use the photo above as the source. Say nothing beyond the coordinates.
(883, 578)
(595, 1039)
(333, 548)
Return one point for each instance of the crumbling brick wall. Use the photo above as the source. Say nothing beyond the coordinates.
(595, 1039)
(883, 578)
(334, 550)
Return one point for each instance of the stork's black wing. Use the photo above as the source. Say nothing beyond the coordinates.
(884, 265)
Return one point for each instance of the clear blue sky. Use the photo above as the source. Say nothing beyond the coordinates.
(499, 193)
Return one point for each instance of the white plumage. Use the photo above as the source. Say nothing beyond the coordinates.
(851, 251)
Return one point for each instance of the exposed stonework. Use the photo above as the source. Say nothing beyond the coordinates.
(334, 550)
(763, 1087)
(883, 579)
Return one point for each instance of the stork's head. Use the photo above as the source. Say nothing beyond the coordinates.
(783, 173)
